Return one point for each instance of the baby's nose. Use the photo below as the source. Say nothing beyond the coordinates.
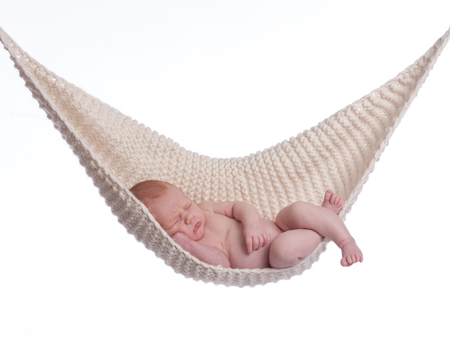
(189, 218)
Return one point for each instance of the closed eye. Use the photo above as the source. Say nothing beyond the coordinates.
(175, 222)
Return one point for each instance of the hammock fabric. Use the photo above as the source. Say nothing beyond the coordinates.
(117, 152)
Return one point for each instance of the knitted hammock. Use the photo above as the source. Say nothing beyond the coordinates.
(117, 152)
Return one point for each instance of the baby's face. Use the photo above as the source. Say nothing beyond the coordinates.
(175, 212)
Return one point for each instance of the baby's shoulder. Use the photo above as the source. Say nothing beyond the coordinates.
(206, 206)
(223, 208)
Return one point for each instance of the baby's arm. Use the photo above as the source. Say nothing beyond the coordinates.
(205, 253)
(255, 234)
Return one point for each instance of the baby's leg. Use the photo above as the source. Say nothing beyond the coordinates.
(291, 247)
(323, 220)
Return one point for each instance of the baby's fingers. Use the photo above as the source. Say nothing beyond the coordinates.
(249, 244)
(257, 243)
(181, 239)
(265, 240)
(261, 242)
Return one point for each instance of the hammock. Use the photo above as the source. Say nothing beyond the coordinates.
(117, 152)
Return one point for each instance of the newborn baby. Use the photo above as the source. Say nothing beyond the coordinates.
(233, 234)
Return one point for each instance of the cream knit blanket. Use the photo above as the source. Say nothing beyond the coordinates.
(117, 152)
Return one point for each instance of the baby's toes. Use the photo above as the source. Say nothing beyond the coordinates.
(351, 259)
(333, 198)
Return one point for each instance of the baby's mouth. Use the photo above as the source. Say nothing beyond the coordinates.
(196, 226)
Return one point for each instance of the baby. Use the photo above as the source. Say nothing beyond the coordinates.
(233, 234)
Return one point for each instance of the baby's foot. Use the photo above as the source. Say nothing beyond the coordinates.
(351, 253)
(333, 202)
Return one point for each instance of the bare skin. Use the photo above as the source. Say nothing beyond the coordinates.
(233, 234)
(350, 251)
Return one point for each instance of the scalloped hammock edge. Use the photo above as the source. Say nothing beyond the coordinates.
(117, 152)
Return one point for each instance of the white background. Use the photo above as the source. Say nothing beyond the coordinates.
(222, 78)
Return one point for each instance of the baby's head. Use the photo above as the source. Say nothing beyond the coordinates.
(173, 210)
(147, 191)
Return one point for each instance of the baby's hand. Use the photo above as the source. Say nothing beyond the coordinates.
(181, 239)
(255, 236)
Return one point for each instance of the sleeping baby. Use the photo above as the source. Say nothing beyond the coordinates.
(233, 234)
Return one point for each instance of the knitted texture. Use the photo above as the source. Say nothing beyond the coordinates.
(117, 152)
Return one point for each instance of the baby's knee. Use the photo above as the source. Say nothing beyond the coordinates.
(288, 217)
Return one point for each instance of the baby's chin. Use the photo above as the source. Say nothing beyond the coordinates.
(198, 235)
(192, 237)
